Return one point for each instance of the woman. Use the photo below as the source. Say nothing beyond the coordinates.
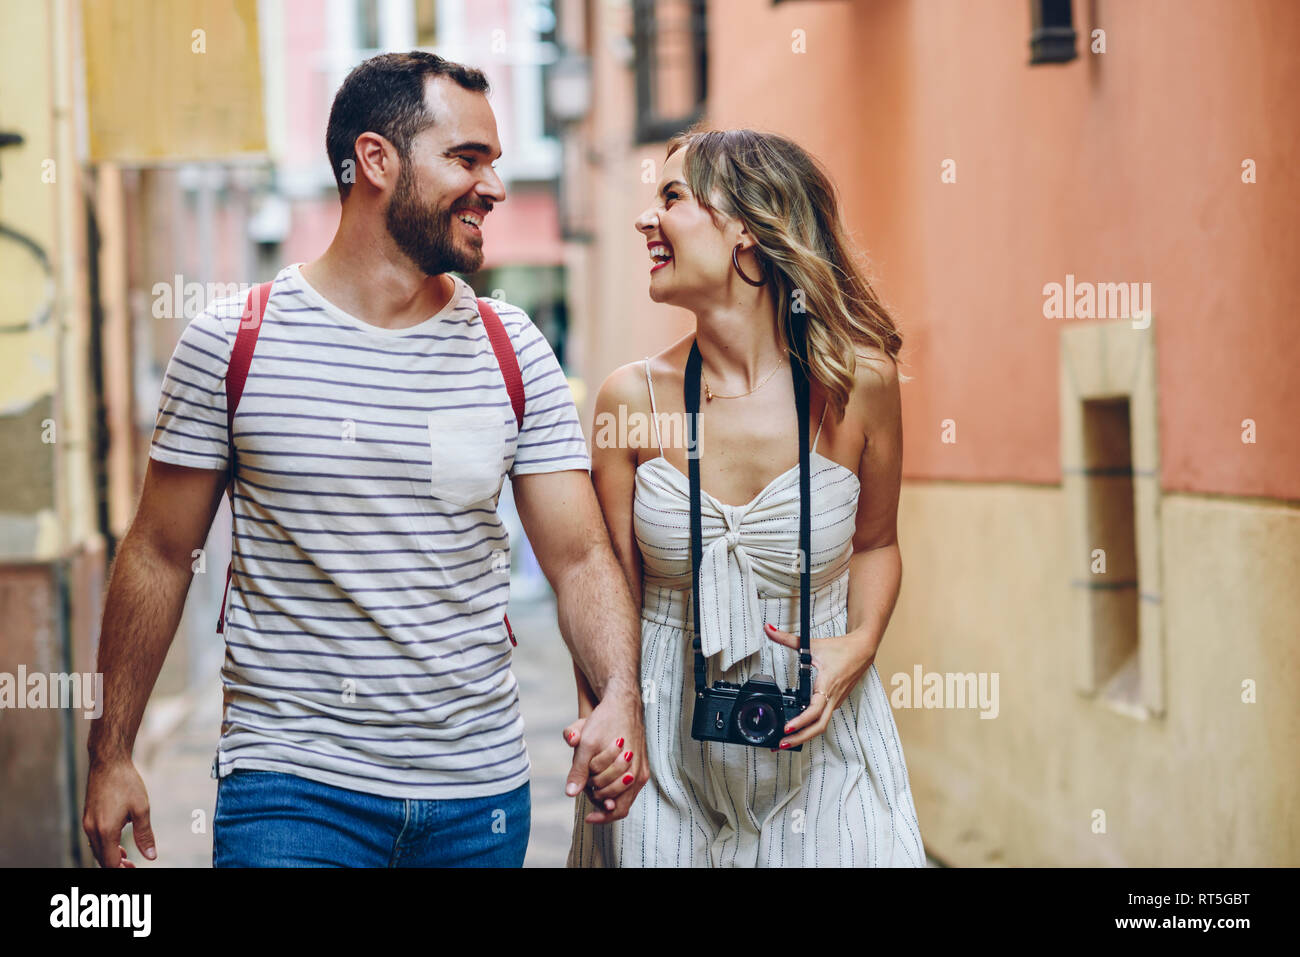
(746, 233)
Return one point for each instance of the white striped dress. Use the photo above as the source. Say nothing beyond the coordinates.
(845, 799)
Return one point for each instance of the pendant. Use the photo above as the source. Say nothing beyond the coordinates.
(708, 393)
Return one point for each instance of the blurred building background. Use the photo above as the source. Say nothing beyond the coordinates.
(1102, 512)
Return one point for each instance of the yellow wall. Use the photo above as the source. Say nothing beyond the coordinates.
(29, 361)
(1211, 783)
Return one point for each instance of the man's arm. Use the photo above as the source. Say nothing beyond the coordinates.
(563, 522)
(613, 476)
(146, 594)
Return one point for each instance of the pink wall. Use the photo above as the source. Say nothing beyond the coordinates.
(1119, 167)
(309, 91)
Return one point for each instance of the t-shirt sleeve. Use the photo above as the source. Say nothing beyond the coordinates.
(191, 426)
(551, 439)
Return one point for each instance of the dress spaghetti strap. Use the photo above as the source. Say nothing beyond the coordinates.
(819, 428)
(654, 413)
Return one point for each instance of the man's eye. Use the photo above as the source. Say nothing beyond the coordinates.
(467, 160)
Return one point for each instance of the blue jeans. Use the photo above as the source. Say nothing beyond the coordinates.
(271, 819)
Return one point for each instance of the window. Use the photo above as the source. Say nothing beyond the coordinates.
(671, 66)
(1052, 38)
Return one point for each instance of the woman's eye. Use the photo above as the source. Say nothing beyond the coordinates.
(669, 197)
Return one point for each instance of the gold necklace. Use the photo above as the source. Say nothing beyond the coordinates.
(710, 395)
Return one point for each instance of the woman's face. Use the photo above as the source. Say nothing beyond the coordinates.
(689, 256)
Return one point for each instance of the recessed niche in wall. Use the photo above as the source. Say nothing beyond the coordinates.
(1110, 479)
(1112, 582)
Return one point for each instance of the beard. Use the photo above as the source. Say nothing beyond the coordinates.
(425, 234)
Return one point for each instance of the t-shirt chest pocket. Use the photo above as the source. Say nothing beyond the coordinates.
(467, 455)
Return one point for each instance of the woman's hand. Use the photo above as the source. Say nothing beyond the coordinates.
(573, 732)
(840, 662)
(611, 770)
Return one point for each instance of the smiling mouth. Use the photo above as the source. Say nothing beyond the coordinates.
(471, 218)
(660, 255)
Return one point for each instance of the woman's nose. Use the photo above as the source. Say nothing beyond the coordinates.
(647, 221)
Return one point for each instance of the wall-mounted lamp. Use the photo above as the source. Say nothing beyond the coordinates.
(568, 88)
(1052, 39)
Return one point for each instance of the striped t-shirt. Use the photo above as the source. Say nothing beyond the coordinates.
(365, 646)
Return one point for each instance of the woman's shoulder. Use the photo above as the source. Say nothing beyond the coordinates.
(627, 384)
(875, 398)
(876, 368)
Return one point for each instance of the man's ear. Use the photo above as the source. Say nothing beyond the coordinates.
(376, 160)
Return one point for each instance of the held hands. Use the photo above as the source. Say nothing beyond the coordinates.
(840, 662)
(609, 763)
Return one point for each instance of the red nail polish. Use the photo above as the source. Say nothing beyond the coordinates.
(618, 743)
(627, 755)
(785, 744)
(627, 779)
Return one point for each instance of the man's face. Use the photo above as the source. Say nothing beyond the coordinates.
(447, 185)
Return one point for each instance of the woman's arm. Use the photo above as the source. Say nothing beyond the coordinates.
(613, 473)
(876, 568)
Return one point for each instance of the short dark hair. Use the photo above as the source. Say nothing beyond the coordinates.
(385, 95)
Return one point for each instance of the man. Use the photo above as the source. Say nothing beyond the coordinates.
(370, 714)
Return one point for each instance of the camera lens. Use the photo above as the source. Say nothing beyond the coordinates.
(756, 720)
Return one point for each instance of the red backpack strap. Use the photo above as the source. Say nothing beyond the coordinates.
(241, 356)
(509, 364)
(506, 357)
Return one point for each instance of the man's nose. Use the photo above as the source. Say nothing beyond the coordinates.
(491, 187)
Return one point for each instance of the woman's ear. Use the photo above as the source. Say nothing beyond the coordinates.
(744, 237)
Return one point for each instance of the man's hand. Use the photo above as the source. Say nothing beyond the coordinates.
(604, 764)
(115, 794)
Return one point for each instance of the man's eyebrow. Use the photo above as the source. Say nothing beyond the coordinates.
(471, 148)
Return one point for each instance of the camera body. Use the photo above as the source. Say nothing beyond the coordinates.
(753, 714)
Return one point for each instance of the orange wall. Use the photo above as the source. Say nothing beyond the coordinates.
(1118, 167)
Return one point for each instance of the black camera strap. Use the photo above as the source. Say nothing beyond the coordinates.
(801, 389)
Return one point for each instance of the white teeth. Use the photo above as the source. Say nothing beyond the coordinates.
(470, 219)
(660, 254)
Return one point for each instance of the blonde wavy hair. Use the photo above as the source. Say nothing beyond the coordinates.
(790, 206)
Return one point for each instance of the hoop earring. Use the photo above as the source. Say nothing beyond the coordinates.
(735, 261)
